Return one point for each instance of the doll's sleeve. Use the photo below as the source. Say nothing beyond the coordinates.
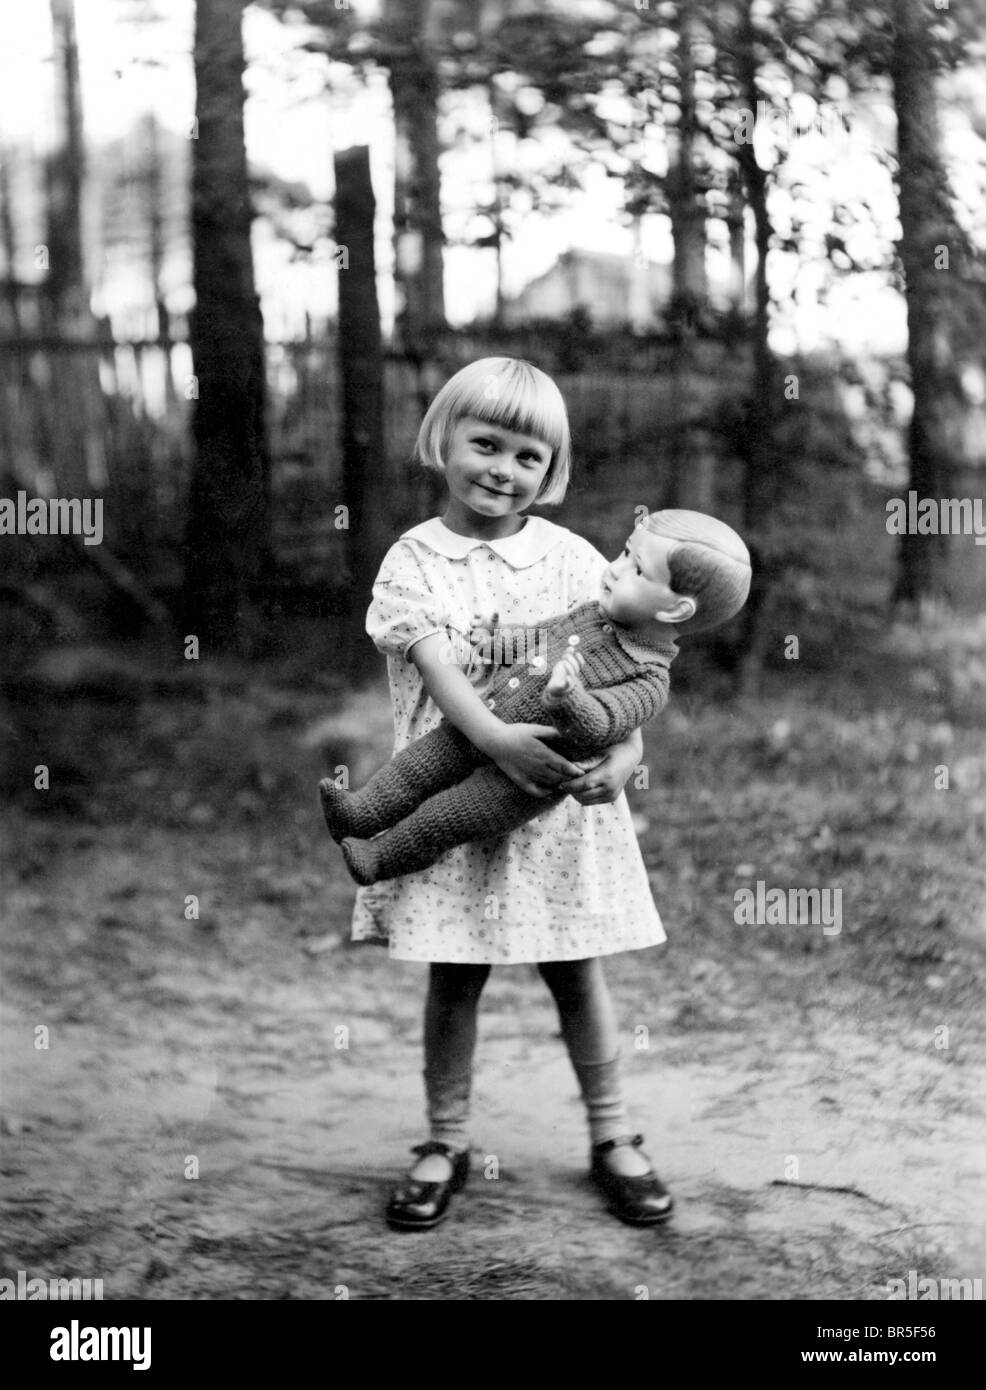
(599, 718)
(404, 608)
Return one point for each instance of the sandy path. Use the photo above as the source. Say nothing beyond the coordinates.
(170, 1038)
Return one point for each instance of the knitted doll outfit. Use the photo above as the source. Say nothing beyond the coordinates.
(442, 791)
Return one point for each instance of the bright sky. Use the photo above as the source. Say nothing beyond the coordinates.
(128, 69)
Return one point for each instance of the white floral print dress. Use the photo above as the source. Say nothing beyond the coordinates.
(568, 885)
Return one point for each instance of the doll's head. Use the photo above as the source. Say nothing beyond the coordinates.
(502, 391)
(683, 568)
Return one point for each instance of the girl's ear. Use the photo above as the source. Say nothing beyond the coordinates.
(680, 611)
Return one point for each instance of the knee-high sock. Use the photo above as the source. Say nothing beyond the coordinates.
(450, 1041)
(602, 1091)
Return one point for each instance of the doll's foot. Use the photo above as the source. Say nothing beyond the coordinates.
(637, 1197)
(335, 809)
(362, 860)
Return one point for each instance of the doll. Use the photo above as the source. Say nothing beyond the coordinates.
(596, 672)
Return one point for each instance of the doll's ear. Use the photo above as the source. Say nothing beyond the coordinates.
(680, 611)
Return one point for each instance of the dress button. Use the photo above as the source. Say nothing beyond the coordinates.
(491, 704)
(513, 683)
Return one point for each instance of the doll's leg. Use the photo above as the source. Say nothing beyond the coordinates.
(425, 767)
(486, 806)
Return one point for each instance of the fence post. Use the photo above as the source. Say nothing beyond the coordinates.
(366, 486)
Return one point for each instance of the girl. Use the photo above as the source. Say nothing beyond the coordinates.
(569, 886)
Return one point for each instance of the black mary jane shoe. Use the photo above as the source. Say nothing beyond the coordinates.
(639, 1201)
(417, 1205)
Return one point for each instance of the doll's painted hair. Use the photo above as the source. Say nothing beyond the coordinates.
(508, 392)
(711, 565)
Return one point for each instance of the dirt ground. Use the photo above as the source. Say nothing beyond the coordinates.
(193, 1128)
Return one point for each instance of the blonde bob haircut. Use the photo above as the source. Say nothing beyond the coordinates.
(508, 392)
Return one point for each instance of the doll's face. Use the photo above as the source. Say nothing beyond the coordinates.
(636, 586)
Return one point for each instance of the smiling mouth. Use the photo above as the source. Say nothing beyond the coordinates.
(494, 491)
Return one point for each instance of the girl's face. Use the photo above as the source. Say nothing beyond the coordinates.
(492, 473)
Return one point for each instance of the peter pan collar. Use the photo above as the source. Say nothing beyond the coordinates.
(529, 545)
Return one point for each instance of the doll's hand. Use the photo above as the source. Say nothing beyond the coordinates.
(481, 634)
(520, 752)
(564, 677)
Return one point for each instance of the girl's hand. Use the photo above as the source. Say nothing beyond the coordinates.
(602, 780)
(518, 750)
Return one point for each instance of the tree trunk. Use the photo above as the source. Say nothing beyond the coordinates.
(693, 475)
(496, 208)
(690, 288)
(227, 532)
(64, 286)
(8, 240)
(157, 243)
(418, 239)
(366, 485)
(760, 482)
(736, 222)
(926, 229)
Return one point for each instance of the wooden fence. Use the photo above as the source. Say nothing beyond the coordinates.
(112, 419)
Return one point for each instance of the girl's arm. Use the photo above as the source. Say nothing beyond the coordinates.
(517, 749)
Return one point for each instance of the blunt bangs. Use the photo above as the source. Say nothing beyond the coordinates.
(508, 392)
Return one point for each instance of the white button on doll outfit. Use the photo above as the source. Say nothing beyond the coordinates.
(571, 883)
(575, 639)
(513, 683)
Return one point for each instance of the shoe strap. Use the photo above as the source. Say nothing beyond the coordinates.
(434, 1146)
(624, 1141)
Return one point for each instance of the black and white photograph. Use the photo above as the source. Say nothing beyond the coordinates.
(493, 690)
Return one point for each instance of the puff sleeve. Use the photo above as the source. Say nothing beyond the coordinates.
(584, 567)
(404, 608)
